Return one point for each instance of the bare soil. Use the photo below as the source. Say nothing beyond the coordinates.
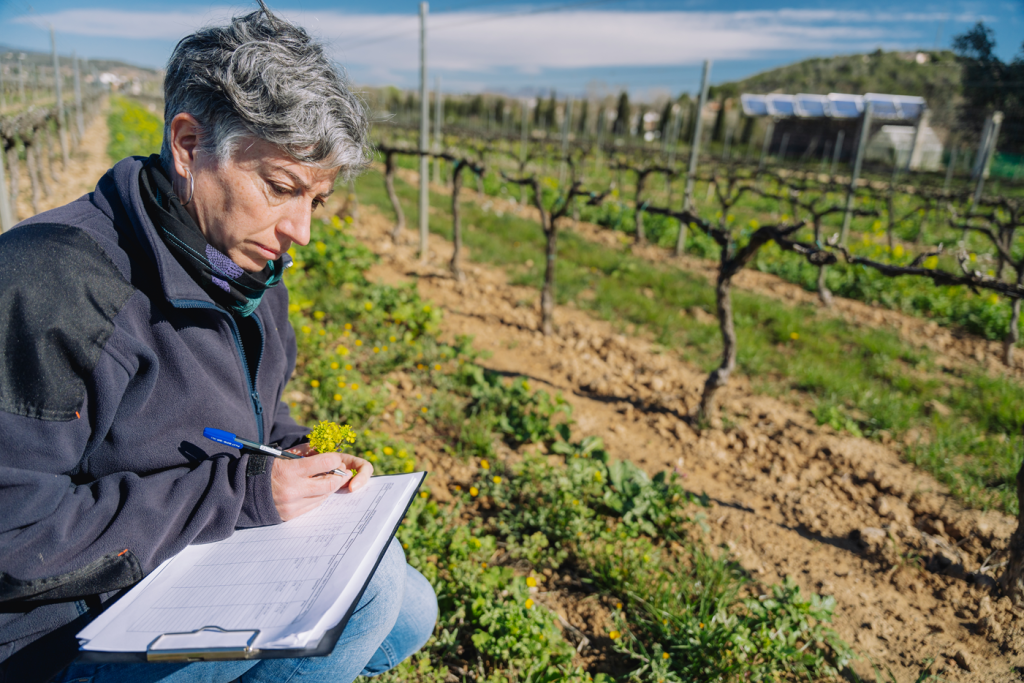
(911, 569)
(955, 348)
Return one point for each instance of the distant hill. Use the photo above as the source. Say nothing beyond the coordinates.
(10, 54)
(933, 75)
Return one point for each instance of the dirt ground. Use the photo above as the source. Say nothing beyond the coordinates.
(910, 568)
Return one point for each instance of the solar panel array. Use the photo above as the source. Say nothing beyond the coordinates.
(834, 105)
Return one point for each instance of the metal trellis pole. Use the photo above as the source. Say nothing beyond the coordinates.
(691, 172)
(862, 143)
(989, 152)
(424, 137)
(438, 114)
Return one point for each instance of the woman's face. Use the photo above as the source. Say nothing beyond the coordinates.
(253, 205)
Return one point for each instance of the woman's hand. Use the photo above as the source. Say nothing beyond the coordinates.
(299, 486)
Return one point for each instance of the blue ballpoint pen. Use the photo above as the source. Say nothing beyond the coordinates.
(229, 439)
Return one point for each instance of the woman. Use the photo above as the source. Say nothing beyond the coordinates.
(154, 307)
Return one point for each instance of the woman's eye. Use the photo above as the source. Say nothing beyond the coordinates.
(279, 191)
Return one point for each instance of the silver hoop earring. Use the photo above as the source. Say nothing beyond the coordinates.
(191, 187)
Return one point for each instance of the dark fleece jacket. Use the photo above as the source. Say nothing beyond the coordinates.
(112, 361)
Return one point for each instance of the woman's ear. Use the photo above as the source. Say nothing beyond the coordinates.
(184, 142)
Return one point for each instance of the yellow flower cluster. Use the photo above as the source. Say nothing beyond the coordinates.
(328, 436)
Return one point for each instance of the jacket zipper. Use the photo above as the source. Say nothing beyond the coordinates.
(254, 397)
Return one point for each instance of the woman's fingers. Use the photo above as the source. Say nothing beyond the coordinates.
(301, 485)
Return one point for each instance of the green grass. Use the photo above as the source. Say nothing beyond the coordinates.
(861, 378)
(134, 130)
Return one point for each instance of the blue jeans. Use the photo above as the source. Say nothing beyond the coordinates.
(394, 618)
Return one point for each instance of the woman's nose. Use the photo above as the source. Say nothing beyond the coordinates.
(295, 225)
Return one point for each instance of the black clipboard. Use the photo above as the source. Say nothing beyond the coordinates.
(214, 654)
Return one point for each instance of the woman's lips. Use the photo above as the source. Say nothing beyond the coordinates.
(270, 253)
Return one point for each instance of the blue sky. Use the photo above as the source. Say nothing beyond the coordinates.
(649, 46)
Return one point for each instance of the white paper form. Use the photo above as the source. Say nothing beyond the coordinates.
(292, 581)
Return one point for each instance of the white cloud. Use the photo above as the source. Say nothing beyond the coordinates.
(478, 42)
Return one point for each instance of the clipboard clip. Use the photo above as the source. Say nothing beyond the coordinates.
(220, 644)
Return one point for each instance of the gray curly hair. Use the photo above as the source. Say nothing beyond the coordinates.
(264, 77)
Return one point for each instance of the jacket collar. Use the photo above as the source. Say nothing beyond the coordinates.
(178, 286)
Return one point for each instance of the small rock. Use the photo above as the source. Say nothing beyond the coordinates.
(984, 607)
(871, 538)
(934, 526)
(893, 508)
(988, 626)
(883, 506)
(934, 407)
(827, 588)
(963, 660)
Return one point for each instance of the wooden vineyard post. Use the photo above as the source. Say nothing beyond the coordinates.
(12, 165)
(79, 117)
(62, 123)
(691, 172)
(566, 123)
(6, 215)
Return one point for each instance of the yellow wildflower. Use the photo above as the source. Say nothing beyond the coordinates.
(337, 397)
(484, 465)
(473, 491)
(359, 342)
(368, 305)
(496, 480)
(354, 386)
(328, 436)
(614, 635)
(529, 603)
(794, 335)
(530, 581)
(388, 450)
(319, 315)
(315, 383)
(334, 366)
